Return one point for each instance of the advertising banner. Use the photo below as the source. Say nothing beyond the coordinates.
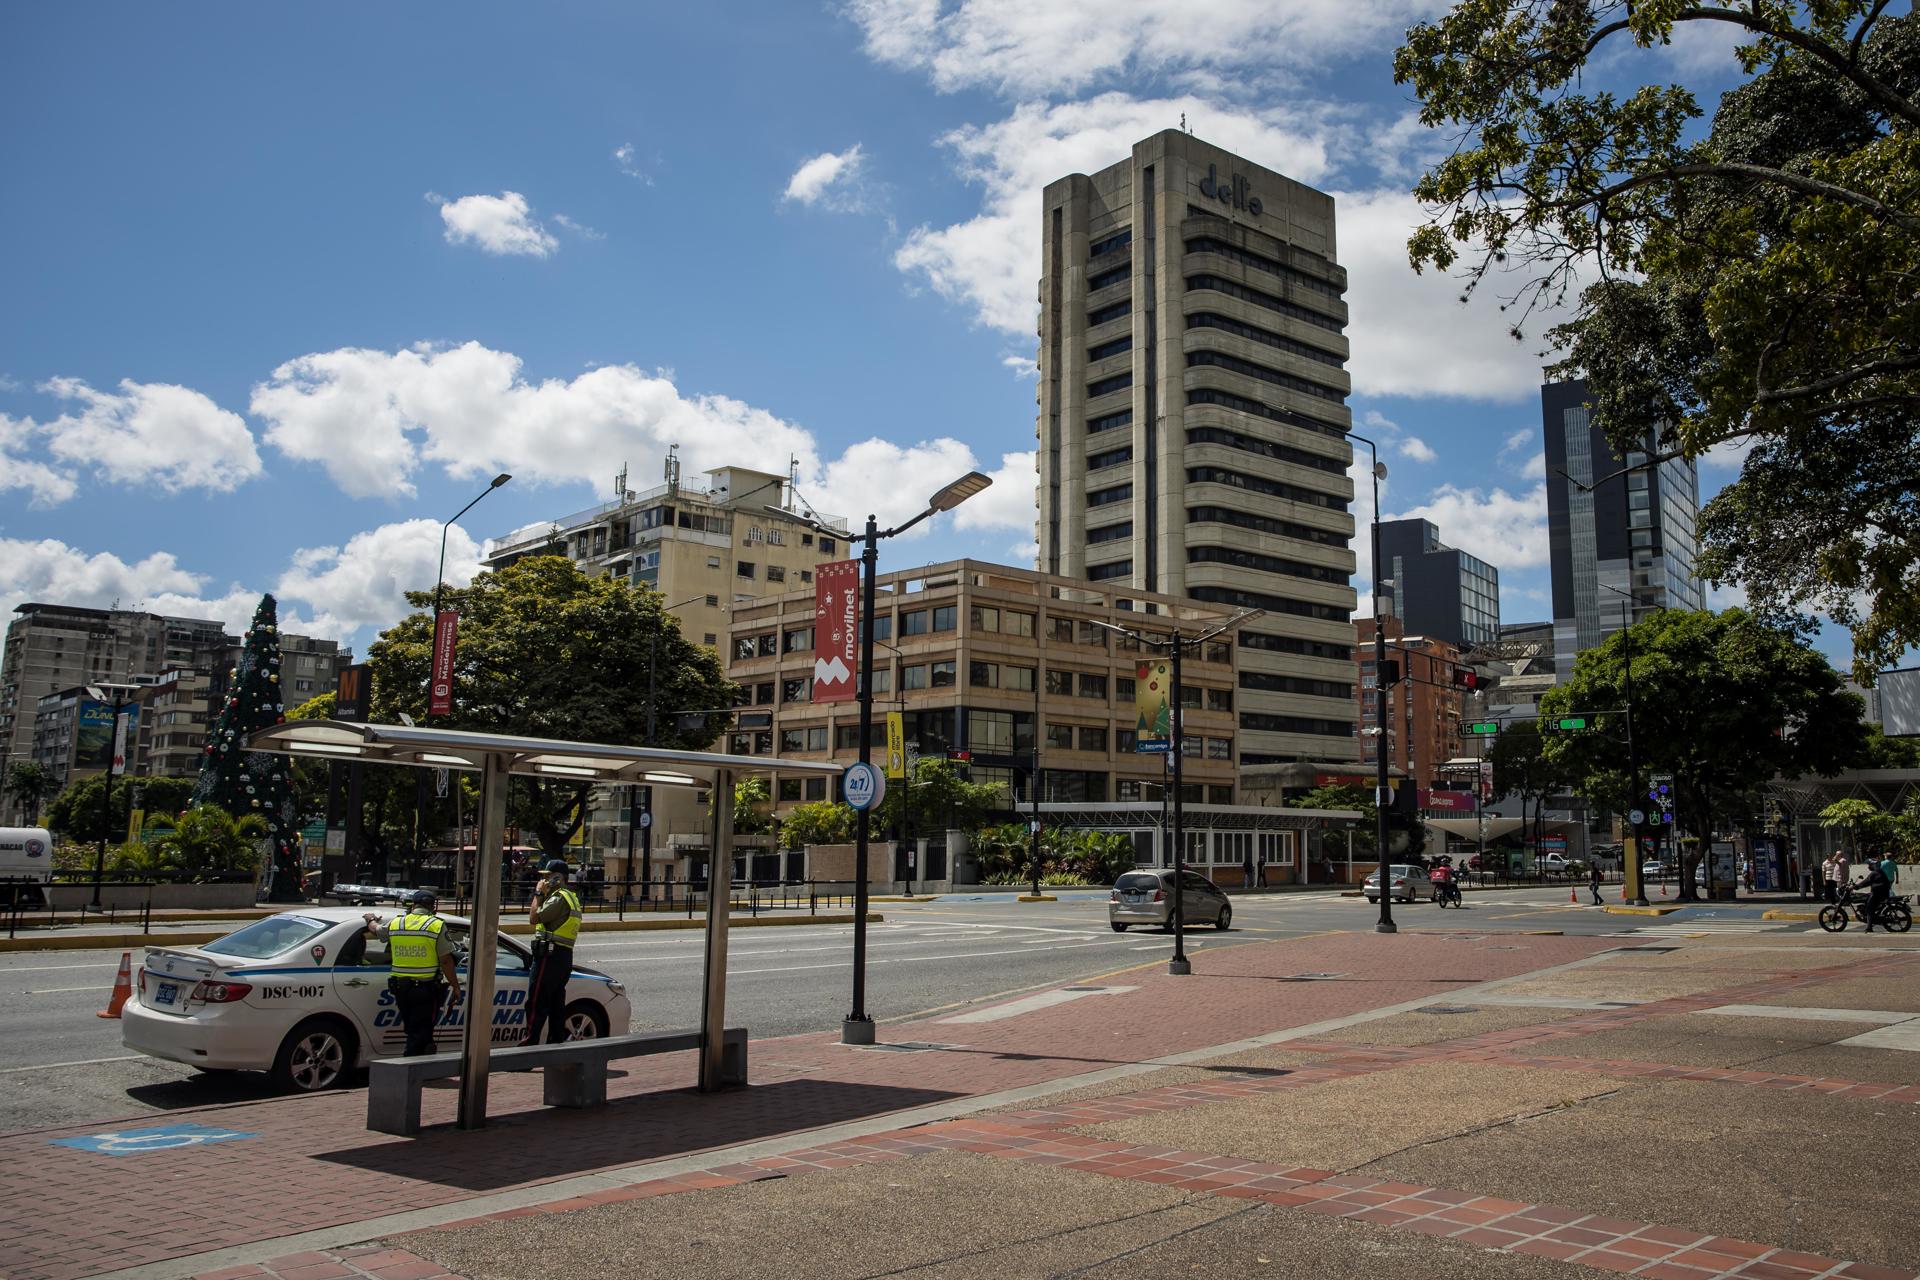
(1450, 801)
(836, 630)
(896, 745)
(1152, 700)
(353, 693)
(440, 689)
(95, 743)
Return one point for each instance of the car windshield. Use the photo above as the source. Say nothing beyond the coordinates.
(269, 937)
(1138, 880)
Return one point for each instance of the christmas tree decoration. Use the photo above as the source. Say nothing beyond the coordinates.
(241, 781)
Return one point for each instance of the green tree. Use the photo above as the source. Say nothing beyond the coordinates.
(387, 795)
(1724, 702)
(1751, 279)
(255, 783)
(752, 811)
(1345, 796)
(817, 822)
(547, 652)
(935, 797)
(207, 840)
(75, 814)
(29, 784)
(1523, 767)
(1881, 752)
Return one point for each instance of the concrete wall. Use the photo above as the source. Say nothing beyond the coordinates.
(835, 862)
(172, 897)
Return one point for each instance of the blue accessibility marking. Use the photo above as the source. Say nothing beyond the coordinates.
(166, 1137)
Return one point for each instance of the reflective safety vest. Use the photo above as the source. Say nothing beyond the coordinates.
(413, 945)
(567, 930)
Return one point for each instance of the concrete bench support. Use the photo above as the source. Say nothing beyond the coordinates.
(574, 1073)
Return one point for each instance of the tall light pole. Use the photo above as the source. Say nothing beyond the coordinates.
(1177, 643)
(1381, 790)
(439, 595)
(1636, 799)
(857, 1027)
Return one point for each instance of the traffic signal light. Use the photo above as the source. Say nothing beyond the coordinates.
(1466, 678)
(1390, 671)
(1481, 728)
(962, 756)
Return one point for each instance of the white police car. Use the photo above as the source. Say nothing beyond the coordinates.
(303, 994)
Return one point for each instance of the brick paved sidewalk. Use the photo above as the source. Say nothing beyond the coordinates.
(309, 1162)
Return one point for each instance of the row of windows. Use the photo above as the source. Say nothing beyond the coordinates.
(1265, 449)
(1110, 533)
(1108, 572)
(1264, 564)
(1112, 311)
(1248, 369)
(1260, 262)
(1294, 684)
(1253, 408)
(1296, 724)
(1105, 497)
(1122, 343)
(1111, 458)
(1118, 239)
(1272, 604)
(999, 675)
(1279, 306)
(1260, 524)
(1118, 275)
(1254, 333)
(1258, 484)
(1196, 211)
(741, 569)
(1118, 382)
(1109, 421)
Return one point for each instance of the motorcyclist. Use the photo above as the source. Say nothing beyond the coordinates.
(1444, 885)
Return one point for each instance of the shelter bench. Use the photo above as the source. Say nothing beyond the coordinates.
(575, 1072)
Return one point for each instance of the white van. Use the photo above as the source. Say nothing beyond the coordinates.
(26, 864)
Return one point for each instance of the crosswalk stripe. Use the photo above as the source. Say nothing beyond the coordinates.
(1725, 926)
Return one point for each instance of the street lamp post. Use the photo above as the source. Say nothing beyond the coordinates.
(857, 1027)
(1633, 759)
(1380, 788)
(1176, 644)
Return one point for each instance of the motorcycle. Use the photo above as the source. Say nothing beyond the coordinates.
(1447, 894)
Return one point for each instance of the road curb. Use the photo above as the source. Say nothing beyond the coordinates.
(1038, 897)
(1789, 915)
(108, 941)
(1639, 911)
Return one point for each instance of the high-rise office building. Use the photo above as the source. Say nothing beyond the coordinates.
(1437, 590)
(1193, 420)
(1621, 531)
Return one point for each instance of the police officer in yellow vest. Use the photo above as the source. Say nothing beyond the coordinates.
(421, 954)
(555, 917)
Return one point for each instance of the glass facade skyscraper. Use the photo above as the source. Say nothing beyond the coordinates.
(1437, 590)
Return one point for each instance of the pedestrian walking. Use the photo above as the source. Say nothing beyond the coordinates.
(1892, 868)
(1593, 884)
(421, 954)
(555, 917)
(1878, 887)
(1842, 866)
(1826, 880)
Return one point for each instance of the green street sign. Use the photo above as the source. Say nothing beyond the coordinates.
(1565, 724)
(1482, 728)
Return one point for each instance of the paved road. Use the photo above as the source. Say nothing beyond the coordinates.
(60, 1064)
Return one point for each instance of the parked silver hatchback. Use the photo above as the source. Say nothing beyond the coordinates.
(1146, 898)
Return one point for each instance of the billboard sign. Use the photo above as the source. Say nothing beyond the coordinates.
(1900, 702)
(1152, 705)
(96, 744)
(353, 693)
(836, 630)
(1450, 801)
(446, 627)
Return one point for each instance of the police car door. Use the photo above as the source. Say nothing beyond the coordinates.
(512, 974)
(360, 973)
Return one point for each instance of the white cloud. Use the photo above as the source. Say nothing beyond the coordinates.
(625, 159)
(51, 570)
(1728, 455)
(373, 419)
(990, 262)
(1397, 315)
(1022, 366)
(501, 224)
(1535, 467)
(152, 433)
(1417, 449)
(1508, 531)
(47, 487)
(831, 180)
(580, 229)
(364, 583)
(1059, 48)
(1728, 595)
(1010, 502)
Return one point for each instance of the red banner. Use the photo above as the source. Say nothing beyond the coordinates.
(440, 691)
(1451, 801)
(836, 630)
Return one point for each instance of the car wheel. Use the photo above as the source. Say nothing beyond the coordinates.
(1224, 920)
(1119, 927)
(584, 1020)
(316, 1055)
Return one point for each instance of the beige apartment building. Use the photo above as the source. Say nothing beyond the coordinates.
(1193, 423)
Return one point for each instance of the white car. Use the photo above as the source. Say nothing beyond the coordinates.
(1408, 883)
(303, 995)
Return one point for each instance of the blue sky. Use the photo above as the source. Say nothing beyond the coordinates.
(287, 284)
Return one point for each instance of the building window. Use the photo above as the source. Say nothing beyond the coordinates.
(798, 640)
(817, 737)
(806, 575)
(1016, 624)
(797, 689)
(743, 569)
(1019, 679)
(1092, 636)
(1093, 686)
(1106, 497)
(1125, 739)
(983, 675)
(983, 619)
(944, 617)
(1118, 275)
(1110, 533)
(1118, 345)
(789, 790)
(1118, 240)
(913, 622)
(1219, 748)
(914, 677)
(776, 574)
(793, 740)
(1105, 386)
(1123, 688)
(1109, 422)
(1111, 571)
(816, 788)
(827, 546)
(942, 675)
(1092, 738)
(883, 627)
(1112, 311)
(882, 680)
(1059, 683)
(1059, 737)
(1111, 458)
(746, 648)
(1219, 699)
(763, 693)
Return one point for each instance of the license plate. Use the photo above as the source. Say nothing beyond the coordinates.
(166, 992)
(1135, 897)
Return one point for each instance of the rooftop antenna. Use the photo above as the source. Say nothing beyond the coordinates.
(793, 477)
(673, 464)
(620, 483)
(1183, 123)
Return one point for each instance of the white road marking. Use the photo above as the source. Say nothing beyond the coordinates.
(1901, 1035)
(54, 991)
(1680, 929)
(1813, 1015)
(84, 1062)
(1032, 1003)
(46, 968)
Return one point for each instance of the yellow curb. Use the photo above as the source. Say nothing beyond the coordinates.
(1639, 911)
(1789, 915)
(108, 941)
(1543, 933)
(1043, 897)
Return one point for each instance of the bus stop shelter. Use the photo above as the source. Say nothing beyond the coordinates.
(499, 757)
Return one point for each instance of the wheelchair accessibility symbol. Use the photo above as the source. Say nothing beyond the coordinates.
(132, 1142)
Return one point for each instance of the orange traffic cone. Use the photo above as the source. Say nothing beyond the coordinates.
(1573, 895)
(122, 988)
(1663, 888)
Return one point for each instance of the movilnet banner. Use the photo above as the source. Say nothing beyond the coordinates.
(836, 630)
(353, 693)
(440, 689)
(1450, 801)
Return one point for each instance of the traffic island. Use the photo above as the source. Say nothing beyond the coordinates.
(1618, 910)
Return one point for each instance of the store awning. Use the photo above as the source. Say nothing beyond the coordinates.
(1496, 826)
